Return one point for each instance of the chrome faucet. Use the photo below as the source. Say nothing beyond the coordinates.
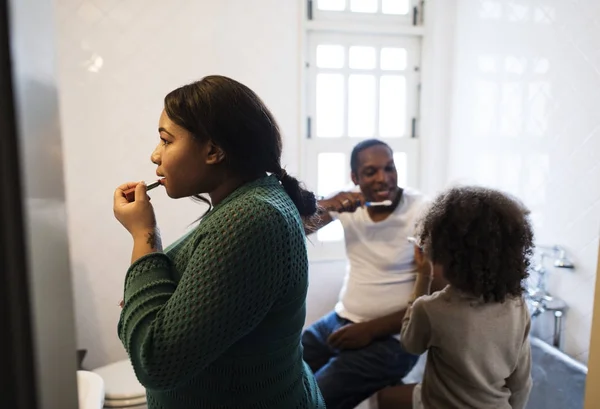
(538, 297)
(560, 256)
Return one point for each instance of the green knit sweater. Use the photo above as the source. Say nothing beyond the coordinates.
(216, 320)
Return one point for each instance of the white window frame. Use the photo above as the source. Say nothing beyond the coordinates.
(354, 28)
(413, 18)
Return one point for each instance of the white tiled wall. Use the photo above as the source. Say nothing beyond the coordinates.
(526, 101)
(526, 118)
(117, 60)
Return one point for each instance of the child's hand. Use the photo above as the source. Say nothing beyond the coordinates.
(424, 275)
(422, 262)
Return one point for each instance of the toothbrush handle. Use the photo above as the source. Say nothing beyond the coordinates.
(130, 193)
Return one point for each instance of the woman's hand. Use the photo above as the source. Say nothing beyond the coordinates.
(137, 216)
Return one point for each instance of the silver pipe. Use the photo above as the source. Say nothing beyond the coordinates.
(558, 315)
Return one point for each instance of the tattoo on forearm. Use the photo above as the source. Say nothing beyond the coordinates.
(153, 240)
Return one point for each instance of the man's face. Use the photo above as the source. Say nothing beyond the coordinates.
(376, 174)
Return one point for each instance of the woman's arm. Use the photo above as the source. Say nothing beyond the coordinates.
(146, 242)
(173, 331)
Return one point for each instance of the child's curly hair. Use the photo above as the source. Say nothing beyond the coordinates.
(483, 239)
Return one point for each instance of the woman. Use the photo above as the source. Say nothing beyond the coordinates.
(215, 320)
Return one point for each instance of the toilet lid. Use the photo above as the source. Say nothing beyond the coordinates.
(120, 382)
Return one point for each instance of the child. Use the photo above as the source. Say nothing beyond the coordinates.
(476, 329)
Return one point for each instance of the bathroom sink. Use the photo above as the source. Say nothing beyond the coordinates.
(90, 390)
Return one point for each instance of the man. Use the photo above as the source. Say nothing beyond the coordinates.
(355, 351)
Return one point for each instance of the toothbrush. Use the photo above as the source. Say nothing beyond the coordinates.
(130, 193)
(415, 243)
(367, 204)
(384, 203)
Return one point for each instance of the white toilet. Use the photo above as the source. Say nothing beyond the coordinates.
(122, 389)
(90, 390)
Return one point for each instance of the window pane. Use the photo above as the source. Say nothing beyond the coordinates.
(402, 168)
(331, 172)
(361, 106)
(485, 107)
(363, 6)
(332, 232)
(393, 59)
(332, 5)
(331, 177)
(511, 109)
(330, 105)
(392, 106)
(487, 63)
(395, 6)
(330, 56)
(362, 58)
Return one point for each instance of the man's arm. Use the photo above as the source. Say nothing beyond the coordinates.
(354, 336)
(322, 219)
(387, 325)
(359, 335)
(342, 202)
(428, 281)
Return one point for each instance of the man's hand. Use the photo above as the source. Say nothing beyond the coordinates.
(351, 336)
(344, 202)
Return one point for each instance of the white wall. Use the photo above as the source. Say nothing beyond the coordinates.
(527, 120)
(117, 60)
(532, 133)
(438, 56)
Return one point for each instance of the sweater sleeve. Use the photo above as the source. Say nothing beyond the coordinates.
(415, 336)
(519, 382)
(171, 331)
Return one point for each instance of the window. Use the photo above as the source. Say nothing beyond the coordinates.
(362, 81)
(374, 10)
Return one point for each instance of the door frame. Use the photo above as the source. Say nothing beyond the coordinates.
(17, 367)
(592, 392)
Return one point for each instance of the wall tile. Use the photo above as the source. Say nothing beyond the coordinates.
(548, 83)
(117, 59)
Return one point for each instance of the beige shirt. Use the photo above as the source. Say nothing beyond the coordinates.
(479, 354)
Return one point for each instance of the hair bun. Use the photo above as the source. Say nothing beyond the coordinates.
(305, 201)
(282, 175)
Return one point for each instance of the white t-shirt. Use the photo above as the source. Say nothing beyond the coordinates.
(381, 271)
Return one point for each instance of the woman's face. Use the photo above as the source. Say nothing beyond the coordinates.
(183, 161)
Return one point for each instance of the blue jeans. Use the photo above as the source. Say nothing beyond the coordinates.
(347, 377)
